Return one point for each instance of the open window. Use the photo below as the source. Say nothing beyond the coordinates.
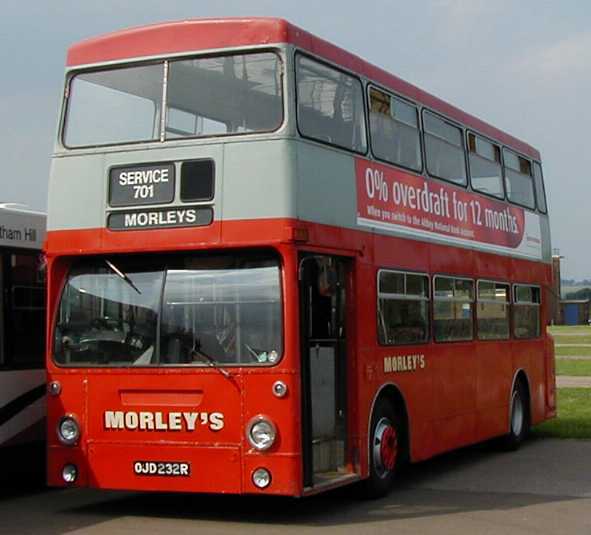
(519, 180)
(394, 128)
(486, 173)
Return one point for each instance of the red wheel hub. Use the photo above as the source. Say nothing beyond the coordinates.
(389, 448)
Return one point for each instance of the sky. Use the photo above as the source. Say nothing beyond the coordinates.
(524, 66)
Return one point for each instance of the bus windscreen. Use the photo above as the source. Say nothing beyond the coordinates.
(193, 310)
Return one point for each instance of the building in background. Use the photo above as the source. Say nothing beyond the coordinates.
(574, 312)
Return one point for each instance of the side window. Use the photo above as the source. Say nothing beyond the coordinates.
(486, 173)
(330, 105)
(453, 309)
(24, 311)
(492, 311)
(526, 311)
(518, 179)
(403, 308)
(444, 149)
(540, 191)
(394, 128)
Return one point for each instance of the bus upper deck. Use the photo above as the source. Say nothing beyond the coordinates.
(187, 133)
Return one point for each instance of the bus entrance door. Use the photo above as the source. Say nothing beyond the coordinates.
(322, 300)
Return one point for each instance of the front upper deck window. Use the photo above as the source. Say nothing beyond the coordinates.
(114, 106)
(224, 95)
(178, 310)
(212, 96)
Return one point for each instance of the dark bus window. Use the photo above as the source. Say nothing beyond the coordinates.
(394, 128)
(24, 310)
(330, 105)
(486, 173)
(444, 149)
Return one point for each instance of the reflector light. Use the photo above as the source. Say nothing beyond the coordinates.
(68, 431)
(279, 389)
(54, 388)
(69, 473)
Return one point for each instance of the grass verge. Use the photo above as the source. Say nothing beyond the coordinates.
(562, 351)
(573, 367)
(570, 339)
(574, 416)
(564, 330)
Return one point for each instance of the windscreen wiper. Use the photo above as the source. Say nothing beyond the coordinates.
(124, 276)
(196, 350)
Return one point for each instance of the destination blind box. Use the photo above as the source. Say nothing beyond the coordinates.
(142, 184)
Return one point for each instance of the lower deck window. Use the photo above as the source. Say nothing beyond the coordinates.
(493, 311)
(526, 311)
(453, 306)
(403, 308)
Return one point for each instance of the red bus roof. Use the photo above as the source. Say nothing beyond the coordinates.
(206, 34)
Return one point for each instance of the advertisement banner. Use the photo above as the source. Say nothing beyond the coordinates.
(392, 199)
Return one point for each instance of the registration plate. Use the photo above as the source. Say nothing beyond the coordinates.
(161, 468)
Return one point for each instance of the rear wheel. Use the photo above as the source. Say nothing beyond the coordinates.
(385, 449)
(519, 422)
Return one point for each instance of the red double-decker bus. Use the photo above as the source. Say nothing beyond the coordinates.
(275, 268)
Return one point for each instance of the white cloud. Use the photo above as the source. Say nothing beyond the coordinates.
(464, 13)
(568, 57)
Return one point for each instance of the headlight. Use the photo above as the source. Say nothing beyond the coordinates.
(68, 431)
(261, 433)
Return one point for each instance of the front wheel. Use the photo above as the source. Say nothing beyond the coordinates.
(385, 449)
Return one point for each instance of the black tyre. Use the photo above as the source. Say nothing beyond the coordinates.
(385, 449)
(519, 418)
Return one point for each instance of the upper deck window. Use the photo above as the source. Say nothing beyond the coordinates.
(213, 96)
(518, 179)
(114, 106)
(444, 149)
(330, 105)
(394, 127)
(485, 166)
(224, 95)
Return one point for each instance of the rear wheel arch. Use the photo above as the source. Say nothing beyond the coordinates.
(387, 440)
(521, 379)
(519, 413)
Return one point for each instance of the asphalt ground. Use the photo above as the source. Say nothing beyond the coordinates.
(544, 488)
